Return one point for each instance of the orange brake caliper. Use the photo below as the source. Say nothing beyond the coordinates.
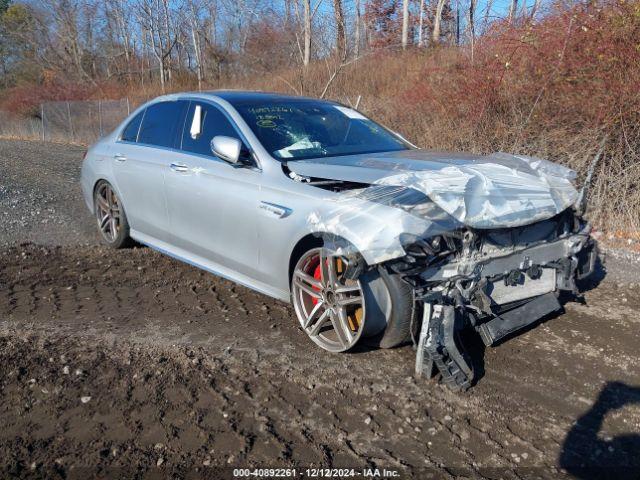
(355, 317)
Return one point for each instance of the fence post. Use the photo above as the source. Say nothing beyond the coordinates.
(42, 119)
(128, 110)
(70, 124)
(100, 116)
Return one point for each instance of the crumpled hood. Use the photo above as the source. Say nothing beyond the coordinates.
(492, 191)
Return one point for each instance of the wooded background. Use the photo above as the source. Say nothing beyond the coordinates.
(164, 40)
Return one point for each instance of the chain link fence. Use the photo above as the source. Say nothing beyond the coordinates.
(81, 121)
(68, 122)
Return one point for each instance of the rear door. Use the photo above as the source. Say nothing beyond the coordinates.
(213, 204)
(140, 164)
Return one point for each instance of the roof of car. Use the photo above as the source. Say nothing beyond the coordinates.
(248, 96)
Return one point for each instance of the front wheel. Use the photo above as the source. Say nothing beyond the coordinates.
(337, 311)
(329, 306)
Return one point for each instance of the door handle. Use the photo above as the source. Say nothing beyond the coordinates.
(118, 157)
(179, 167)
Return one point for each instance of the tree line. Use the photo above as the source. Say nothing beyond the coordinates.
(169, 41)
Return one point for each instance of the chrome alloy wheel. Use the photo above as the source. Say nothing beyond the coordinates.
(329, 306)
(108, 212)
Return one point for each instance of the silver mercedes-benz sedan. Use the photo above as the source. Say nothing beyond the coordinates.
(369, 237)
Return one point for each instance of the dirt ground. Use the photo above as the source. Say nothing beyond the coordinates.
(129, 363)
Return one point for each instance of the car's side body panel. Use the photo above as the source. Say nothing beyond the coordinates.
(282, 217)
(97, 166)
(139, 172)
(212, 209)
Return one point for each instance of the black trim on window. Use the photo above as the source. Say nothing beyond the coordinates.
(139, 117)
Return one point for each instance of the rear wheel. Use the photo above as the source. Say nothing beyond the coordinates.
(337, 312)
(112, 221)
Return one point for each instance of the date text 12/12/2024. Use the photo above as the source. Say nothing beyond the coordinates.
(316, 473)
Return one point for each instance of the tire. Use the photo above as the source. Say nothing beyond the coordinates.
(391, 306)
(110, 216)
(388, 307)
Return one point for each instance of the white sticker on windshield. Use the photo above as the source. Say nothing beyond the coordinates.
(303, 144)
(349, 112)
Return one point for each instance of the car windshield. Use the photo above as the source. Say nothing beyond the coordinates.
(302, 129)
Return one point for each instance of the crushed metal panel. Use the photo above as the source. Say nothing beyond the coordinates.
(494, 195)
(490, 192)
(373, 220)
(438, 347)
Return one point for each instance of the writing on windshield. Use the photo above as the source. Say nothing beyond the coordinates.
(305, 129)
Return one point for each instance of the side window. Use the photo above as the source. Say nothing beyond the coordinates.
(161, 123)
(212, 123)
(130, 132)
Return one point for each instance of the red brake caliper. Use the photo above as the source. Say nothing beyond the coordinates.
(318, 276)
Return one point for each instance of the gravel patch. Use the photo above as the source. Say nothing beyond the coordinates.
(40, 196)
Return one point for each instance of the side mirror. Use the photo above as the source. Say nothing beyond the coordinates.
(227, 148)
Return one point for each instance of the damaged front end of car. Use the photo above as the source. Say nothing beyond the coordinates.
(496, 282)
(487, 245)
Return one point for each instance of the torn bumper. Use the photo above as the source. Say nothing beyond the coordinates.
(566, 256)
(497, 296)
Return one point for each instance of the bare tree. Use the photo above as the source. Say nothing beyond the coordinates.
(356, 50)
(308, 12)
(513, 10)
(154, 41)
(194, 16)
(437, 22)
(167, 33)
(307, 32)
(421, 24)
(535, 8)
(524, 9)
(153, 18)
(120, 32)
(405, 23)
(341, 37)
(472, 25)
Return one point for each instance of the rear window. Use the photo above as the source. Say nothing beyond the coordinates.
(130, 132)
(161, 123)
